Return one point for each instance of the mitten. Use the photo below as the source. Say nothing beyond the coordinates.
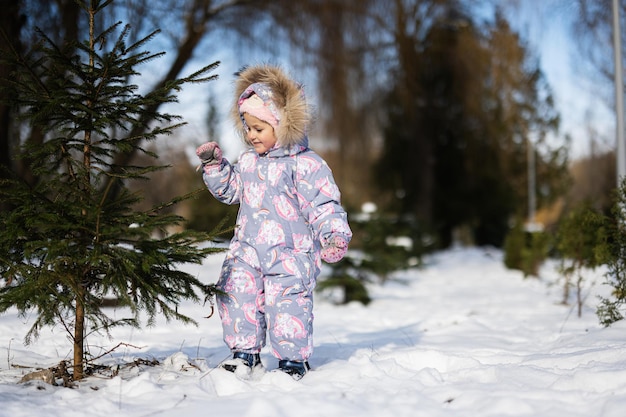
(334, 249)
(209, 153)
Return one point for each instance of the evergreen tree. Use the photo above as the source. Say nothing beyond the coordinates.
(611, 250)
(580, 234)
(467, 97)
(68, 241)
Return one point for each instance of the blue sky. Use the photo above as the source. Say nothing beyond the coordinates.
(547, 26)
(580, 109)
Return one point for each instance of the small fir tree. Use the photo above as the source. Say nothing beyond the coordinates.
(381, 245)
(611, 250)
(514, 244)
(75, 235)
(388, 244)
(578, 236)
(526, 250)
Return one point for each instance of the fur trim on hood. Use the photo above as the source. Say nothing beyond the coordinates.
(287, 97)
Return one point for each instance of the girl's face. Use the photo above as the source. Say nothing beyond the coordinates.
(260, 134)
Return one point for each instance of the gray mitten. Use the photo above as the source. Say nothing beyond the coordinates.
(209, 153)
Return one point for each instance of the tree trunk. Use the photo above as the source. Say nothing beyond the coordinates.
(79, 334)
(10, 24)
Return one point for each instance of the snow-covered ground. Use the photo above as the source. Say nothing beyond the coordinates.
(461, 337)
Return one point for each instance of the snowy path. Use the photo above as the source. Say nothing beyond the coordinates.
(461, 337)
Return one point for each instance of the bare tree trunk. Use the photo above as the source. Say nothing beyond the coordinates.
(70, 13)
(422, 176)
(79, 335)
(10, 23)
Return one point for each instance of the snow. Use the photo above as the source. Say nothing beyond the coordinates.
(462, 336)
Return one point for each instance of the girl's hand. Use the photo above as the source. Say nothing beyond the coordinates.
(334, 249)
(209, 153)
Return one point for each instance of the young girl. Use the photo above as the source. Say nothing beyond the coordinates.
(289, 217)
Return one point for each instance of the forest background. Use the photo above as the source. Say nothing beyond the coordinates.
(438, 112)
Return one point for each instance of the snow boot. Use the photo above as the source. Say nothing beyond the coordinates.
(243, 364)
(296, 369)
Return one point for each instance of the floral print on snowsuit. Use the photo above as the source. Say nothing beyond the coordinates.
(289, 202)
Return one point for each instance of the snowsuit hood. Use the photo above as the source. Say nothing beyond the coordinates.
(283, 96)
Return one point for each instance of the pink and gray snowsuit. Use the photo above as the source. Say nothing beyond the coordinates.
(289, 208)
(288, 202)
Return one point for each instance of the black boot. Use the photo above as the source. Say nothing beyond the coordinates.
(250, 360)
(296, 369)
